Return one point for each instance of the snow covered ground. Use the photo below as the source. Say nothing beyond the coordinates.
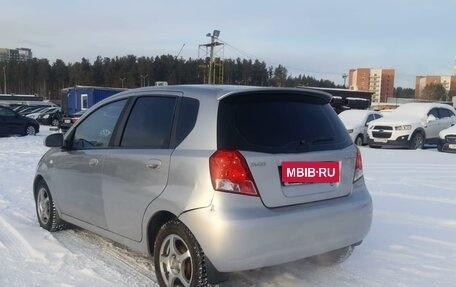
(412, 241)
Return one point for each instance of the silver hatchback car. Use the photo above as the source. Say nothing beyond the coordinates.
(209, 179)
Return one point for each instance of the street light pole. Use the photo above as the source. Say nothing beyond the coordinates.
(122, 80)
(4, 79)
(214, 36)
(344, 76)
(143, 79)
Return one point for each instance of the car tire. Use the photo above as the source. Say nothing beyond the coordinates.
(29, 130)
(55, 122)
(178, 256)
(46, 212)
(439, 146)
(359, 140)
(332, 257)
(417, 141)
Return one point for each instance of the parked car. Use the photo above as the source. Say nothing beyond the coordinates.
(35, 115)
(411, 125)
(447, 140)
(30, 109)
(50, 118)
(68, 121)
(356, 122)
(209, 179)
(12, 123)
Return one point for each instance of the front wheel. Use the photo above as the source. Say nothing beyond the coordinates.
(45, 209)
(178, 258)
(359, 140)
(417, 141)
(55, 122)
(332, 257)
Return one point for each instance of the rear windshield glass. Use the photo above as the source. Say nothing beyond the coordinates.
(276, 123)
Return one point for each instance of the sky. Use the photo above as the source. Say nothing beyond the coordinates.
(323, 38)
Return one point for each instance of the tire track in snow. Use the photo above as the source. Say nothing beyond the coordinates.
(408, 219)
(17, 244)
(439, 200)
(108, 260)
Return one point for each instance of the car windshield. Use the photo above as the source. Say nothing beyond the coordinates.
(353, 117)
(414, 109)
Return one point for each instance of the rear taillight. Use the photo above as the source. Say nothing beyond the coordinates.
(73, 120)
(230, 173)
(358, 166)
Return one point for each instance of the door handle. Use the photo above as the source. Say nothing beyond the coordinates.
(153, 164)
(93, 162)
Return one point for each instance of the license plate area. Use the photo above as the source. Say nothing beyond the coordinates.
(380, 140)
(295, 173)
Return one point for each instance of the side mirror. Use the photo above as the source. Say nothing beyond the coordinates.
(431, 118)
(54, 140)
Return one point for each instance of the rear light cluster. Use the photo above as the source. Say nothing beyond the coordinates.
(73, 120)
(358, 166)
(230, 173)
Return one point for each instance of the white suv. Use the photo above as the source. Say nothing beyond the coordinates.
(411, 125)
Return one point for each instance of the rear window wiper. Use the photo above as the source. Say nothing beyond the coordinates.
(305, 144)
(317, 140)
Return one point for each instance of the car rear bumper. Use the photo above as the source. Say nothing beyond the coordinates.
(238, 233)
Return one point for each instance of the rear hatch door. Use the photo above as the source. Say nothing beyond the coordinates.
(270, 128)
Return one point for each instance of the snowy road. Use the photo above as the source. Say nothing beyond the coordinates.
(412, 241)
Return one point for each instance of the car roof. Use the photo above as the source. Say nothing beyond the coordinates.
(359, 112)
(419, 108)
(221, 91)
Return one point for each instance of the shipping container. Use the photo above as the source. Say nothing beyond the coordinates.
(78, 98)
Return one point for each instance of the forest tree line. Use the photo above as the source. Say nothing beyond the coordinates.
(40, 77)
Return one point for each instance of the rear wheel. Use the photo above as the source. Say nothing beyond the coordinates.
(30, 130)
(417, 141)
(178, 258)
(333, 257)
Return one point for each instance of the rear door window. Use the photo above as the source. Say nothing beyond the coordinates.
(149, 124)
(444, 113)
(276, 123)
(7, 112)
(186, 120)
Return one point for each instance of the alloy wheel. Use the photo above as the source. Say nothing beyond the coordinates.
(175, 262)
(30, 131)
(43, 205)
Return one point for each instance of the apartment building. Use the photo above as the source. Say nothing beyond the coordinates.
(18, 54)
(448, 82)
(378, 81)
